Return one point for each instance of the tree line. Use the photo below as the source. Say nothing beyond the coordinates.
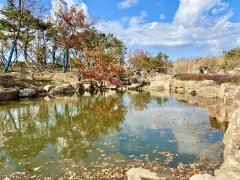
(29, 36)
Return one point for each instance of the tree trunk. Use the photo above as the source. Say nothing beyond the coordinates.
(65, 60)
(16, 53)
(54, 54)
(14, 44)
(9, 57)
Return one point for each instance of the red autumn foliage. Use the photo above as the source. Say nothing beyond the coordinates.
(97, 60)
(73, 25)
(99, 66)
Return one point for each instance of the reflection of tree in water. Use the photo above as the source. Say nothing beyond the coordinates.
(140, 100)
(70, 126)
(222, 126)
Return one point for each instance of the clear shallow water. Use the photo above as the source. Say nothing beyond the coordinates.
(40, 135)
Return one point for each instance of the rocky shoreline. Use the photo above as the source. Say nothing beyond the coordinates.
(222, 103)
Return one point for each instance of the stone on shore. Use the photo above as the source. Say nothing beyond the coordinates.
(48, 88)
(27, 93)
(64, 89)
(9, 94)
(202, 177)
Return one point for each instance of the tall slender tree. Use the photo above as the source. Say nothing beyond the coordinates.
(72, 25)
(12, 20)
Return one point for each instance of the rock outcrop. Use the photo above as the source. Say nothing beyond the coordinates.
(159, 82)
(9, 94)
(64, 89)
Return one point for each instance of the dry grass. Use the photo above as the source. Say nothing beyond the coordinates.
(218, 78)
(192, 66)
(22, 78)
(16, 80)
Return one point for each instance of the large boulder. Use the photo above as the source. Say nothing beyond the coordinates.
(209, 91)
(27, 93)
(202, 177)
(159, 82)
(9, 94)
(48, 88)
(176, 84)
(194, 87)
(64, 89)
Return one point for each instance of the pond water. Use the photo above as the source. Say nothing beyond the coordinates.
(44, 137)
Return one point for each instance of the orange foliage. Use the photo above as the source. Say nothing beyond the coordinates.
(140, 59)
(100, 66)
(73, 25)
(94, 58)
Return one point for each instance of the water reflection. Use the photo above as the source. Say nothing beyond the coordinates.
(140, 101)
(222, 126)
(88, 128)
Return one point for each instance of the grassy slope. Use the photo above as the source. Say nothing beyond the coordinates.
(191, 66)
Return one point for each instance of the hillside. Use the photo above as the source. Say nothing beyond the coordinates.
(193, 65)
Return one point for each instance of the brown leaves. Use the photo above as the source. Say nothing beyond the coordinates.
(72, 25)
(100, 66)
(140, 59)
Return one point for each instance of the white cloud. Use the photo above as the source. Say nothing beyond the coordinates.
(193, 25)
(57, 5)
(79, 5)
(172, 118)
(137, 19)
(221, 7)
(162, 16)
(66, 4)
(191, 12)
(127, 4)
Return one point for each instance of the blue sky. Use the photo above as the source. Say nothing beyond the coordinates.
(181, 28)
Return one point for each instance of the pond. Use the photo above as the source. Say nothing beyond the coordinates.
(46, 137)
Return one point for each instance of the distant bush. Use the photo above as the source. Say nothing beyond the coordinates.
(140, 59)
(231, 58)
(144, 60)
(219, 79)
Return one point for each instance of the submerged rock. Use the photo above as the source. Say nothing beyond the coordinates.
(9, 94)
(140, 173)
(27, 93)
